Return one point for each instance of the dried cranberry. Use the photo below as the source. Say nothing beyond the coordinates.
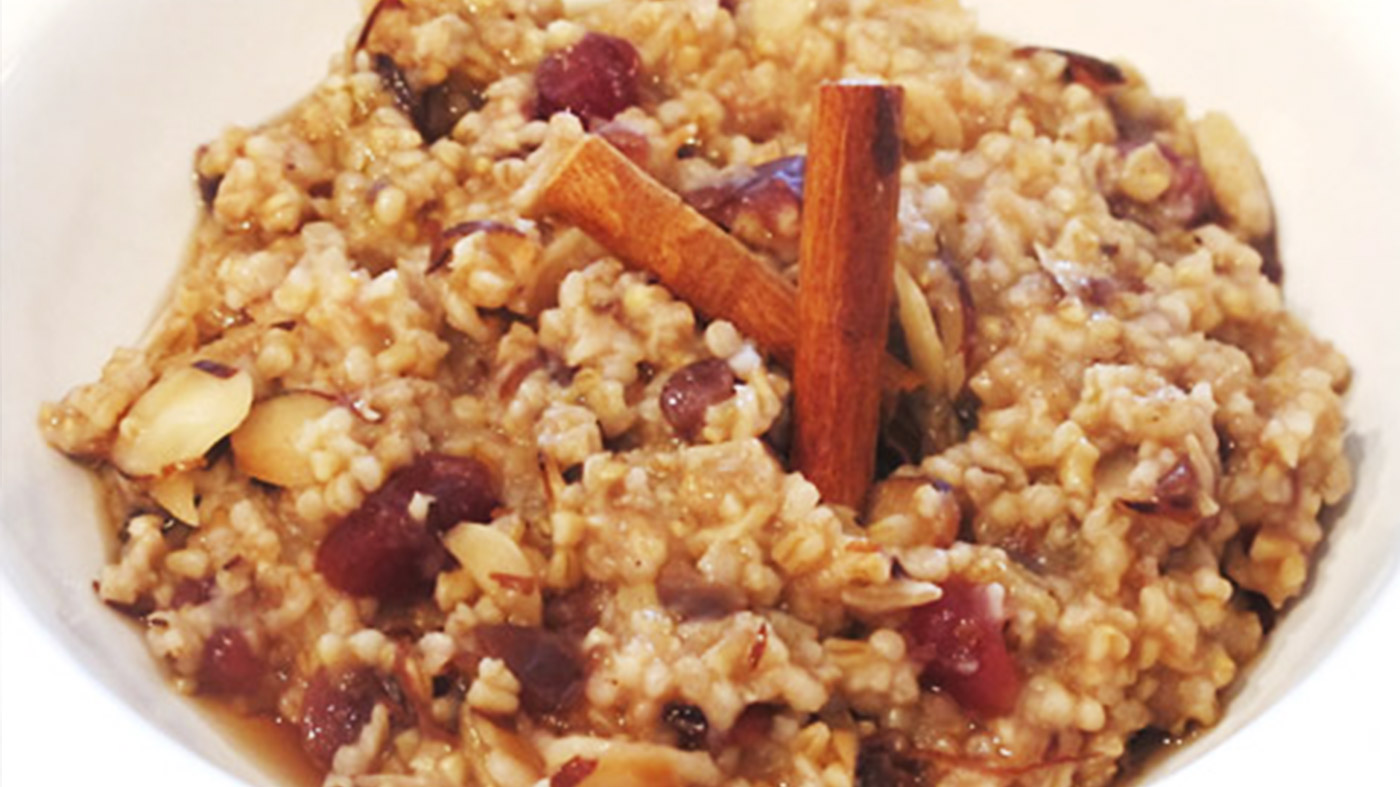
(1174, 494)
(959, 640)
(689, 724)
(1178, 487)
(691, 391)
(228, 665)
(753, 726)
(595, 78)
(573, 772)
(380, 550)
(334, 711)
(1188, 201)
(191, 592)
(548, 666)
(685, 591)
(575, 612)
(209, 188)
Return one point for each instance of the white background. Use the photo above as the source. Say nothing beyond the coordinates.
(59, 727)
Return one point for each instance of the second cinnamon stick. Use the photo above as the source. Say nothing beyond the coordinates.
(845, 285)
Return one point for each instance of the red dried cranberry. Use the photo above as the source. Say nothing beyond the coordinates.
(573, 772)
(381, 551)
(1188, 202)
(191, 592)
(754, 725)
(228, 665)
(209, 188)
(691, 391)
(959, 640)
(576, 612)
(334, 711)
(548, 666)
(595, 78)
(461, 488)
(686, 592)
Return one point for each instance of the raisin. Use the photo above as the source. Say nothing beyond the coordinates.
(689, 724)
(442, 105)
(691, 391)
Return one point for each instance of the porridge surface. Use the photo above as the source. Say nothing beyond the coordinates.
(464, 500)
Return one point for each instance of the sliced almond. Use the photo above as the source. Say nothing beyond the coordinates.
(1234, 175)
(265, 448)
(499, 567)
(175, 493)
(629, 764)
(926, 349)
(177, 420)
(891, 596)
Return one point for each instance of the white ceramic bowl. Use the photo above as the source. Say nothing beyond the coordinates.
(104, 102)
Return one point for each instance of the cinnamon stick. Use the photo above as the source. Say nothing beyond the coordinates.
(602, 192)
(849, 223)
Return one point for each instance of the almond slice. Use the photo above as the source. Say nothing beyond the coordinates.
(177, 420)
(265, 447)
(175, 493)
(499, 567)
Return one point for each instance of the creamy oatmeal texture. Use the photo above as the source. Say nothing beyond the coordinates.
(463, 500)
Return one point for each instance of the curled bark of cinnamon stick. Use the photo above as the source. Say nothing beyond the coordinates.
(647, 226)
(849, 226)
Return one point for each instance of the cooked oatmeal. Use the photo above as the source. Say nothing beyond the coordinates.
(441, 483)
